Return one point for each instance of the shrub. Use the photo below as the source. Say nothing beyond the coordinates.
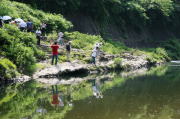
(162, 53)
(19, 47)
(173, 48)
(118, 63)
(113, 47)
(7, 69)
(157, 55)
(87, 42)
(83, 41)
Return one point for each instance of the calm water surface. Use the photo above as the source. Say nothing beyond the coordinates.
(154, 94)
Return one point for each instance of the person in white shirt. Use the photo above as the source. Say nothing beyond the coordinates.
(38, 36)
(94, 54)
(22, 26)
(43, 28)
(60, 38)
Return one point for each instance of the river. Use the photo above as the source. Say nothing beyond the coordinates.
(153, 94)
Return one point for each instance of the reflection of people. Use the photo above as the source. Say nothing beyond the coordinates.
(61, 103)
(41, 110)
(55, 100)
(96, 89)
(69, 98)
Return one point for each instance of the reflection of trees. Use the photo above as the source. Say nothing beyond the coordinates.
(24, 101)
(151, 96)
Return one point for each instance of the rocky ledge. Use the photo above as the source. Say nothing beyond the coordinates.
(105, 63)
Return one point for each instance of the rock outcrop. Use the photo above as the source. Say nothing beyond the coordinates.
(105, 63)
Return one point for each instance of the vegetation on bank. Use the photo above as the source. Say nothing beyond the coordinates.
(125, 13)
(20, 47)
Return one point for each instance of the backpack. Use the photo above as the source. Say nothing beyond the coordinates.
(29, 24)
(68, 48)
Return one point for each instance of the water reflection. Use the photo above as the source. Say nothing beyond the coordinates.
(57, 97)
(96, 85)
(153, 95)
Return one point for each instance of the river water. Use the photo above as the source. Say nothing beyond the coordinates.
(153, 94)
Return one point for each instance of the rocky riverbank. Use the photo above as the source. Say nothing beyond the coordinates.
(127, 63)
(106, 63)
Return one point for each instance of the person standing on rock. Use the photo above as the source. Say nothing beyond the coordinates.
(94, 54)
(68, 50)
(54, 48)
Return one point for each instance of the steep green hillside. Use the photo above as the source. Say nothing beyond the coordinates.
(134, 13)
(19, 52)
(18, 47)
(138, 23)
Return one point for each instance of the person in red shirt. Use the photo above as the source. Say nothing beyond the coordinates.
(55, 48)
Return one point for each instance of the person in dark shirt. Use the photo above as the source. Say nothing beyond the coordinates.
(68, 50)
(1, 23)
(29, 26)
(54, 48)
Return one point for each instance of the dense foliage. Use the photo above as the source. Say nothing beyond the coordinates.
(87, 42)
(19, 10)
(19, 47)
(173, 47)
(134, 13)
(8, 69)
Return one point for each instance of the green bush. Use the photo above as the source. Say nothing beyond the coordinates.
(19, 47)
(118, 63)
(113, 47)
(83, 41)
(162, 53)
(173, 48)
(7, 69)
(157, 55)
(22, 56)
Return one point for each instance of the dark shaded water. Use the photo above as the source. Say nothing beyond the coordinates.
(150, 95)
